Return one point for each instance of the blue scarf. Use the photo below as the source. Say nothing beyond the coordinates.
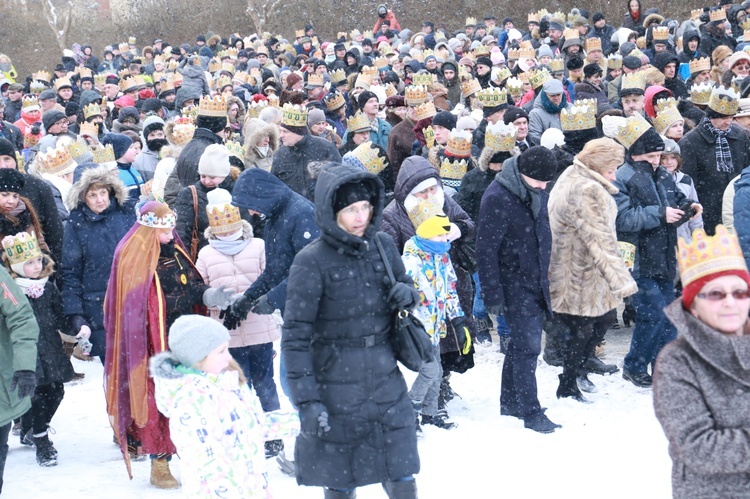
(229, 248)
(550, 107)
(433, 247)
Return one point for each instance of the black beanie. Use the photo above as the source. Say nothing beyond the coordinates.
(11, 180)
(598, 16)
(351, 193)
(539, 163)
(590, 70)
(484, 60)
(71, 109)
(7, 149)
(649, 142)
(120, 143)
(574, 63)
(500, 157)
(151, 104)
(364, 97)
(214, 123)
(513, 113)
(632, 62)
(49, 118)
(445, 119)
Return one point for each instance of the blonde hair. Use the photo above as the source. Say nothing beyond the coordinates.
(654, 77)
(601, 154)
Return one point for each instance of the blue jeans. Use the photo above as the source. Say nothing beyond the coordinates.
(518, 390)
(652, 328)
(256, 362)
(480, 311)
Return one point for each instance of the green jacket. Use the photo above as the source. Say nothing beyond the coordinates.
(18, 336)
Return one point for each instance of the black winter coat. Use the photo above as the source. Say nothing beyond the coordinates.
(699, 162)
(513, 247)
(473, 185)
(643, 197)
(185, 171)
(290, 163)
(39, 193)
(337, 298)
(52, 365)
(12, 133)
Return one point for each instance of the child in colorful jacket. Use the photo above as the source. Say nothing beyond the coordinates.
(427, 261)
(215, 421)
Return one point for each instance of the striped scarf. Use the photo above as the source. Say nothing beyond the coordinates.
(723, 154)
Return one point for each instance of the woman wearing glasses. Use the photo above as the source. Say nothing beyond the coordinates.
(702, 379)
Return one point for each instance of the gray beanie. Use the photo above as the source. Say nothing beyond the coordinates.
(193, 337)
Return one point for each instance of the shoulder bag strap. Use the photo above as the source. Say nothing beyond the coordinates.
(386, 262)
(194, 237)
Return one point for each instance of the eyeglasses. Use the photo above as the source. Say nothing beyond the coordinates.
(353, 210)
(742, 66)
(717, 295)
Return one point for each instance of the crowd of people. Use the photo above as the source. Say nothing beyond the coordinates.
(176, 210)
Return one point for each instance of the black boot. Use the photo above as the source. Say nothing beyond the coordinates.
(441, 421)
(569, 388)
(406, 489)
(595, 365)
(273, 447)
(540, 423)
(483, 330)
(46, 454)
(628, 315)
(553, 343)
(337, 494)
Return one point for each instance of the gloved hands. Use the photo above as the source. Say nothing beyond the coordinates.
(217, 297)
(25, 381)
(236, 313)
(463, 335)
(496, 310)
(78, 323)
(313, 418)
(262, 307)
(403, 296)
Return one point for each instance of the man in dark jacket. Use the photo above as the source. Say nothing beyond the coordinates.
(290, 162)
(648, 205)
(691, 40)
(715, 137)
(9, 130)
(513, 252)
(402, 137)
(714, 36)
(669, 64)
(603, 31)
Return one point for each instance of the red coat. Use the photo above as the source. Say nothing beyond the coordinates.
(390, 16)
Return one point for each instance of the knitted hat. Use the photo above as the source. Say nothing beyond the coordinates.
(364, 97)
(315, 116)
(120, 143)
(592, 69)
(631, 62)
(649, 142)
(445, 119)
(436, 225)
(11, 180)
(513, 113)
(467, 123)
(7, 149)
(350, 193)
(193, 337)
(539, 163)
(50, 117)
(214, 161)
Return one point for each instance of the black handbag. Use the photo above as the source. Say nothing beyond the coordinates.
(410, 341)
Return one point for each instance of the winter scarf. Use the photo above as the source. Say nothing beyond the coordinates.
(550, 107)
(723, 154)
(432, 247)
(510, 178)
(33, 288)
(229, 248)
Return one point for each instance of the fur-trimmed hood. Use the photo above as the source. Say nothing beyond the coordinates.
(255, 129)
(483, 163)
(100, 175)
(164, 365)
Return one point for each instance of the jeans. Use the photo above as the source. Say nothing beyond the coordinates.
(256, 362)
(4, 433)
(518, 390)
(426, 388)
(479, 311)
(652, 328)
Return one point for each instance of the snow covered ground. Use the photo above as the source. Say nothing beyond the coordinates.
(611, 448)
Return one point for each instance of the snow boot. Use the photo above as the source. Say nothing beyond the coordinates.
(161, 477)
(540, 423)
(338, 494)
(584, 383)
(553, 343)
(405, 489)
(46, 454)
(569, 388)
(16, 430)
(273, 447)
(27, 438)
(441, 421)
(595, 365)
(628, 314)
(483, 331)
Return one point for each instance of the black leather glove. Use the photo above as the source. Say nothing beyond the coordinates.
(313, 419)
(236, 313)
(403, 296)
(496, 310)
(262, 307)
(463, 335)
(25, 381)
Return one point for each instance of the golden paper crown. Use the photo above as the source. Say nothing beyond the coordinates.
(696, 13)
(128, 84)
(315, 80)
(131, 40)
(390, 90)
(171, 65)
(373, 162)
(159, 59)
(123, 73)
(37, 87)
(707, 255)
(538, 77)
(666, 117)
(227, 67)
(380, 63)
(635, 81)
(100, 80)
(500, 136)
(425, 110)
(214, 65)
(123, 47)
(273, 100)
(614, 61)
(180, 133)
(471, 21)
(634, 127)
(660, 33)
(88, 128)
(166, 85)
(578, 117)
(241, 77)
(224, 219)
(29, 103)
(141, 81)
(724, 101)
(429, 136)
(717, 15)
(453, 169)
(481, 50)
(514, 86)
(44, 76)
(594, 43)
(294, 115)
(62, 82)
(700, 65)
(56, 161)
(342, 34)
(254, 109)
(334, 100)
(235, 149)
(370, 71)
(368, 34)
(216, 106)
(700, 94)
(514, 54)
(662, 104)
(492, 97)
(92, 109)
(337, 76)
(424, 79)
(470, 87)
(103, 154)
(424, 210)
(221, 82)
(299, 33)
(503, 74)
(557, 65)
(78, 148)
(150, 219)
(459, 144)
(571, 34)
(232, 52)
(534, 17)
(745, 25)
(84, 72)
(415, 95)
(21, 247)
(527, 53)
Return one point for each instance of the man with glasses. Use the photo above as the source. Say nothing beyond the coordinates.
(56, 123)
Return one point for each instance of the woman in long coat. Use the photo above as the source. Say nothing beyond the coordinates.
(358, 424)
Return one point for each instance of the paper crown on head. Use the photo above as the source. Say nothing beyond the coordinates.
(660, 33)
(370, 157)
(470, 87)
(380, 63)
(44, 76)
(222, 216)
(149, 219)
(632, 129)
(337, 75)
(481, 50)
(423, 210)
(724, 101)
(37, 87)
(100, 80)
(92, 109)
(429, 136)
(78, 148)
(514, 54)
(571, 34)
(334, 100)
(614, 61)
(500, 136)
(502, 74)
(537, 77)
(84, 72)
(578, 117)
(299, 33)
(212, 106)
(357, 123)
(471, 21)
(492, 97)
(696, 13)
(514, 86)
(390, 90)
(415, 95)
(557, 65)
(526, 53)
(214, 65)
(363, 81)
(88, 128)
(593, 43)
(370, 71)
(21, 247)
(701, 93)
(459, 144)
(315, 80)
(56, 161)
(128, 84)
(633, 81)
(700, 65)
(666, 117)
(534, 17)
(717, 15)
(29, 103)
(221, 82)
(235, 149)
(424, 79)
(708, 255)
(665, 103)
(62, 83)
(425, 110)
(103, 154)
(453, 169)
(254, 109)
(294, 115)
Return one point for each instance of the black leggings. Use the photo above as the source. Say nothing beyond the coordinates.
(44, 404)
(581, 337)
(4, 432)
